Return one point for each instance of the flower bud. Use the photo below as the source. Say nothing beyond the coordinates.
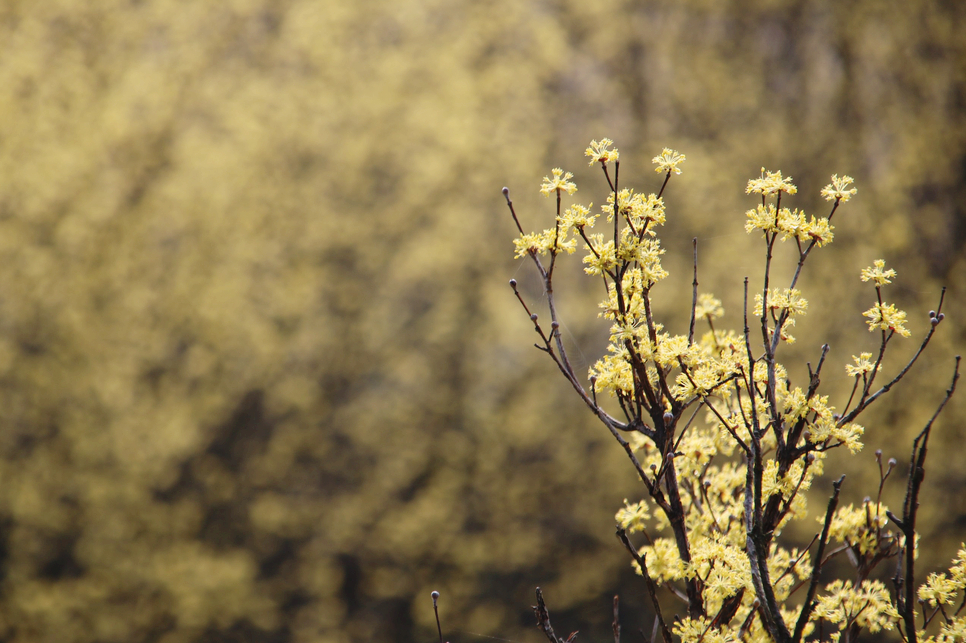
(506, 191)
(435, 594)
(533, 317)
(555, 325)
(513, 283)
(892, 462)
(810, 457)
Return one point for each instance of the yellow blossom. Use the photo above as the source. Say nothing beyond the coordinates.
(860, 527)
(708, 307)
(788, 299)
(559, 183)
(668, 161)
(599, 152)
(633, 516)
(577, 217)
(662, 560)
(877, 274)
(602, 258)
(863, 364)
(770, 183)
(938, 589)
(838, 189)
(887, 317)
(958, 570)
(868, 605)
(817, 230)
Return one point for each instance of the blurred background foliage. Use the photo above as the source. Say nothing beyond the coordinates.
(261, 377)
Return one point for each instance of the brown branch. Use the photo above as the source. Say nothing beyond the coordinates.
(651, 587)
(910, 508)
(807, 606)
(543, 621)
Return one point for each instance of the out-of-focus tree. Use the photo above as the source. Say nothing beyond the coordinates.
(259, 367)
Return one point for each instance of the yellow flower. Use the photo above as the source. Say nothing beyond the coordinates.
(869, 605)
(887, 317)
(938, 589)
(770, 183)
(819, 230)
(859, 527)
(863, 364)
(708, 306)
(668, 161)
(789, 299)
(559, 182)
(877, 274)
(578, 217)
(838, 189)
(599, 152)
(633, 516)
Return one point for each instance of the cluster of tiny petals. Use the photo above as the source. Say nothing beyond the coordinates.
(771, 183)
(838, 189)
(789, 299)
(943, 588)
(791, 224)
(883, 316)
(878, 274)
(559, 183)
(600, 152)
(863, 364)
(668, 161)
(868, 605)
(708, 307)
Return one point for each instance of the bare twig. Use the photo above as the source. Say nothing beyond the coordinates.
(435, 596)
(617, 623)
(694, 290)
(651, 587)
(808, 606)
(910, 507)
(543, 621)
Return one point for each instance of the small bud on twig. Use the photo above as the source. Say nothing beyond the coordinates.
(506, 191)
(439, 628)
(533, 317)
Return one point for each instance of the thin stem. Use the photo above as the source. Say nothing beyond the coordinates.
(651, 587)
(694, 291)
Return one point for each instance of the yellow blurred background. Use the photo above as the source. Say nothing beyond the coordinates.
(261, 376)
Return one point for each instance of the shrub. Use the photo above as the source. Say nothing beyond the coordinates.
(724, 443)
